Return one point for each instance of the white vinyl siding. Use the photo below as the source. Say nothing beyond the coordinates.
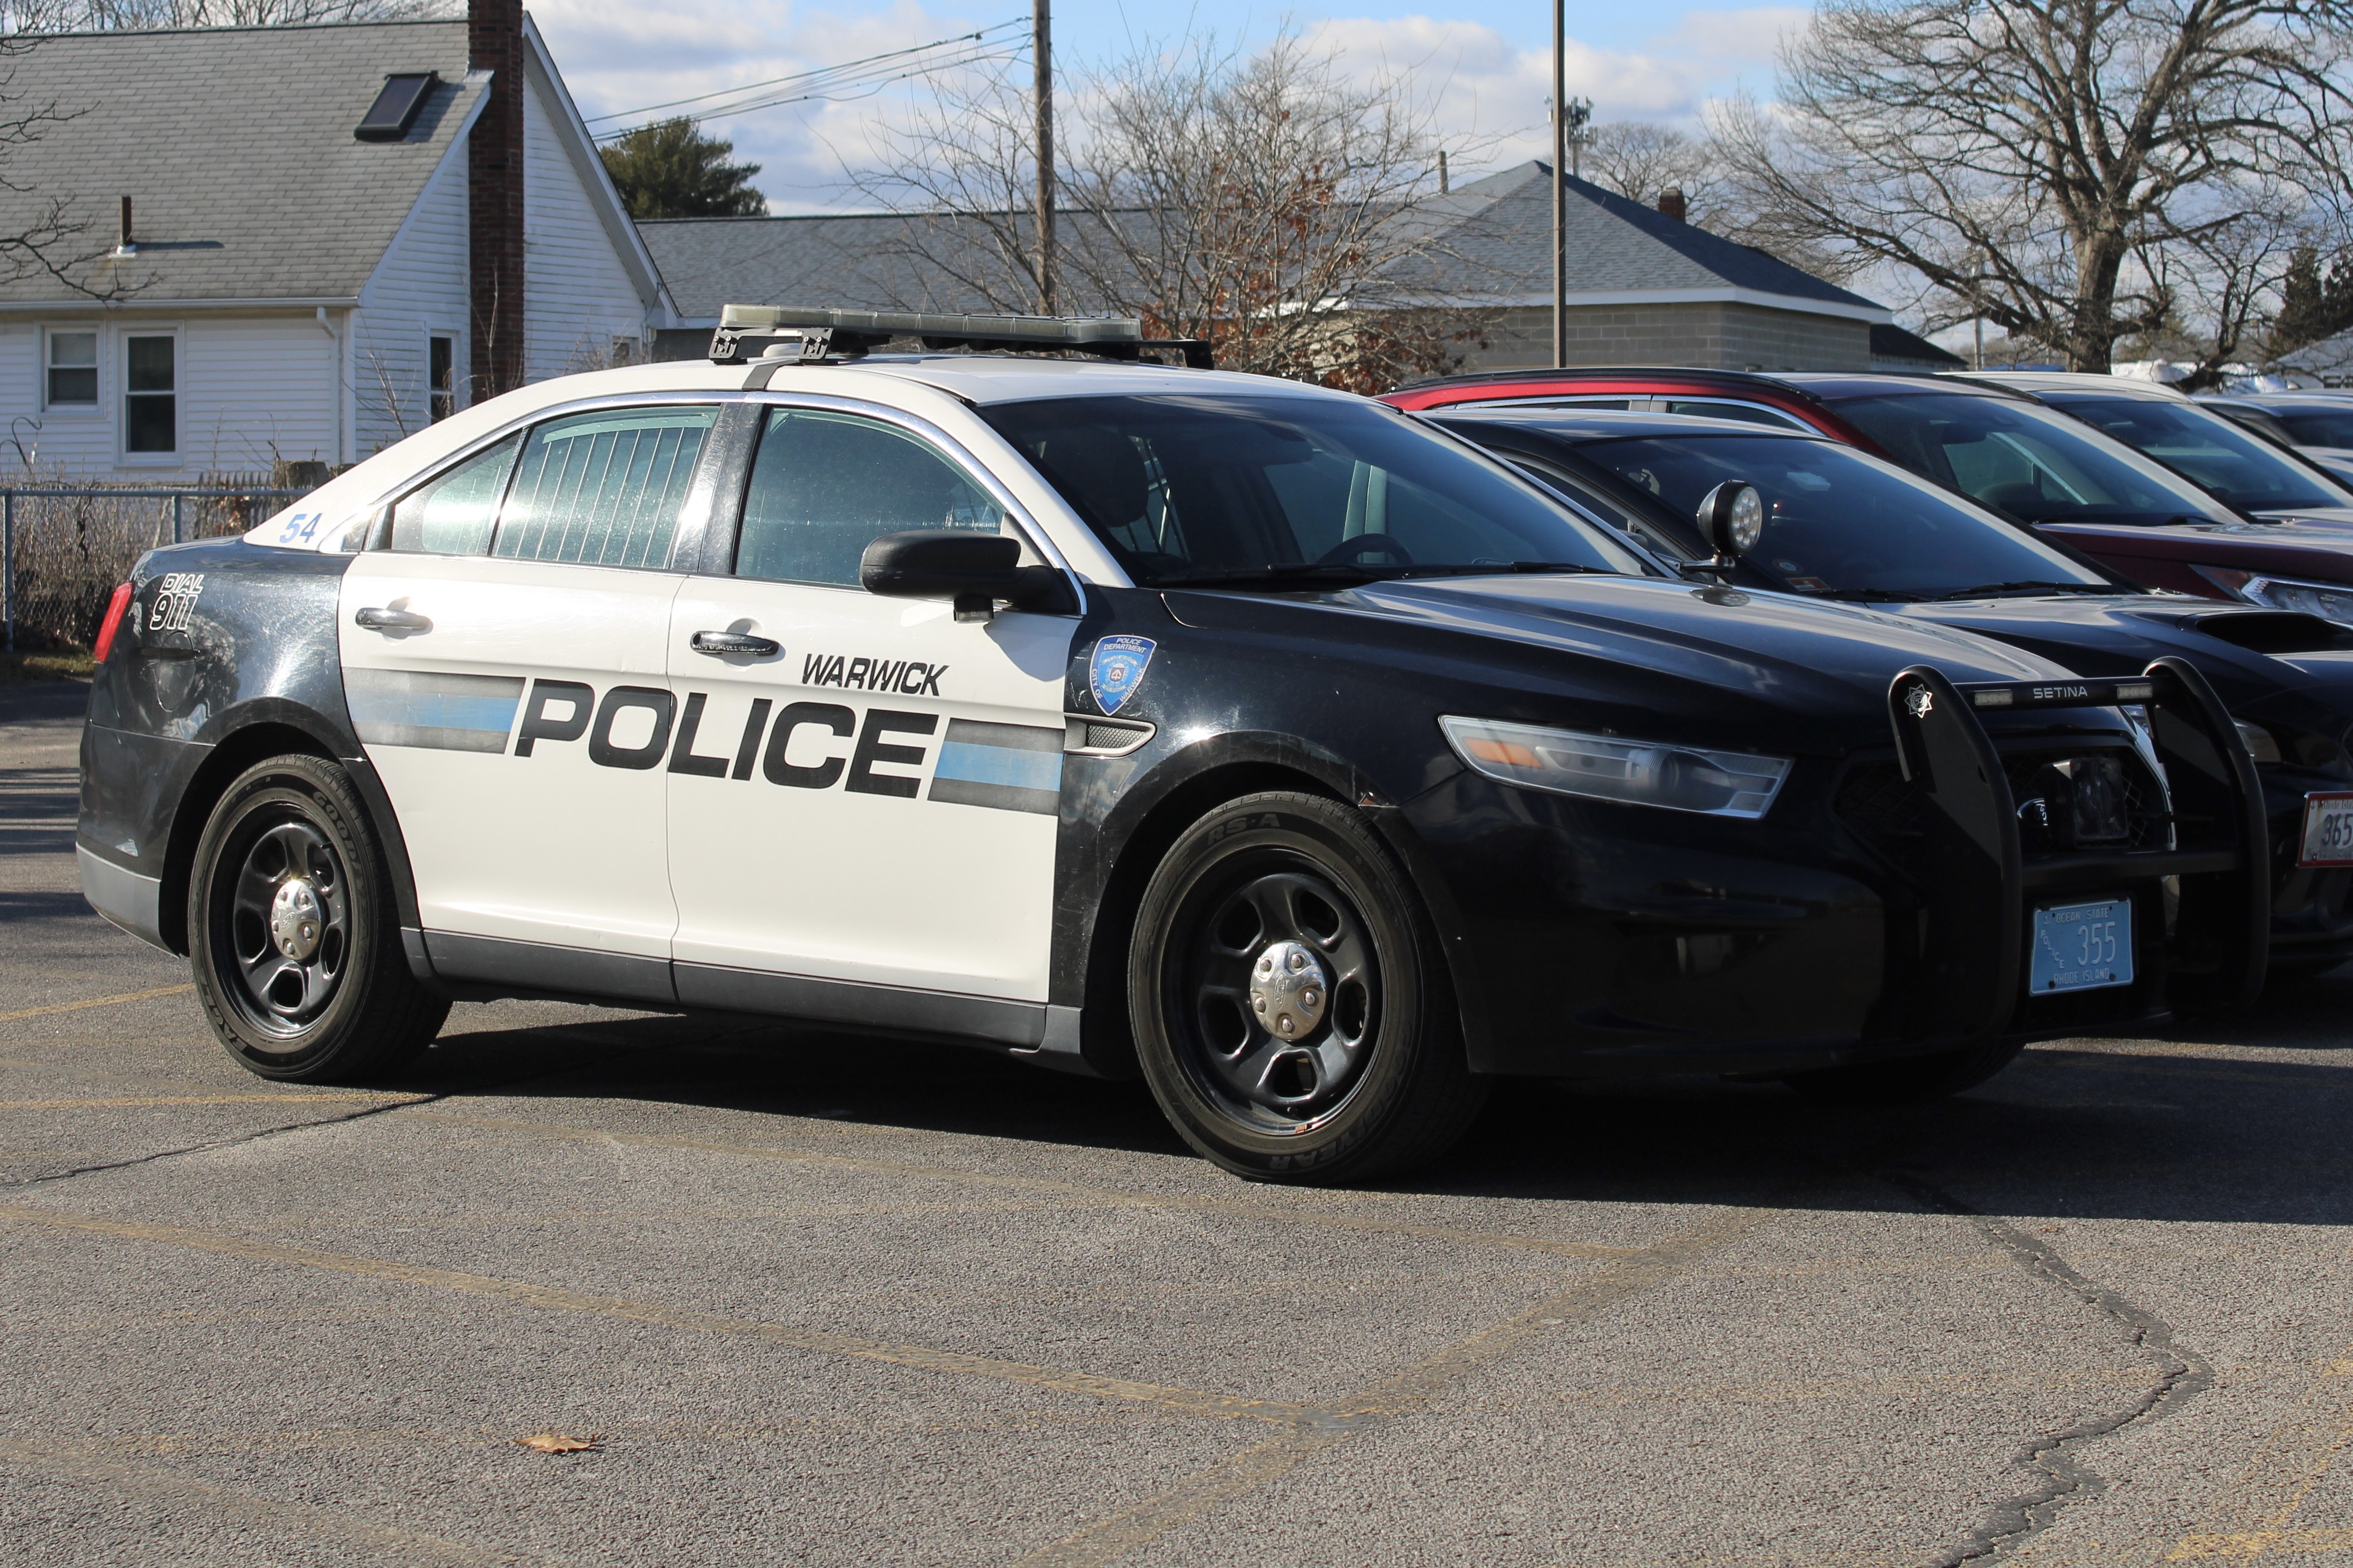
(418, 292)
(252, 388)
(578, 298)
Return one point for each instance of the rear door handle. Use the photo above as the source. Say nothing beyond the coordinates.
(720, 644)
(381, 620)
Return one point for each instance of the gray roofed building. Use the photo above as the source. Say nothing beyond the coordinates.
(288, 289)
(1644, 287)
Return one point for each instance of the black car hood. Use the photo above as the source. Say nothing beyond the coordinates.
(2250, 654)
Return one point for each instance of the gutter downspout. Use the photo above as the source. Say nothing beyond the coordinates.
(330, 329)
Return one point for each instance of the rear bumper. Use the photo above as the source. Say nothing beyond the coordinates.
(122, 896)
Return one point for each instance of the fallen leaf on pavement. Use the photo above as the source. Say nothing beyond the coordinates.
(557, 1443)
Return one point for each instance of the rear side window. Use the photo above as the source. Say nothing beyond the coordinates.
(826, 485)
(1723, 408)
(603, 490)
(451, 514)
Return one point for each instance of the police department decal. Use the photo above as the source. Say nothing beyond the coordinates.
(1117, 669)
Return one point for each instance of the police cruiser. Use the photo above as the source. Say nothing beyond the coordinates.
(1129, 718)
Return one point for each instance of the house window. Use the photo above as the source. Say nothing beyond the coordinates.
(73, 370)
(150, 412)
(440, 378)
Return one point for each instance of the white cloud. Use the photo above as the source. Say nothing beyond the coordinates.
(1485, 90)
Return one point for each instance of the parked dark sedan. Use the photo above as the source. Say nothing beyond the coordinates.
(2318, 424)
(2071, 477)
(1839, 524)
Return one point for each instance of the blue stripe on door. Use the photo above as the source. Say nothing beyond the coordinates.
(440, 710)
(1005, 767)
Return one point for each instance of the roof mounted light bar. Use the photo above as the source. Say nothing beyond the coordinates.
(791, 333)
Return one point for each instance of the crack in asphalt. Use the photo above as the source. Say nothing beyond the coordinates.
(2183, 1374)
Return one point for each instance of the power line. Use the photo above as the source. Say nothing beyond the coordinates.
(963, 48)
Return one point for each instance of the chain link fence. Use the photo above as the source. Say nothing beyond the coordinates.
(64, 548)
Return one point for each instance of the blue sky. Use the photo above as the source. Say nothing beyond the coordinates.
(1483, 68)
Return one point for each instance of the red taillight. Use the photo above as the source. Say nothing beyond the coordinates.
(106, 628)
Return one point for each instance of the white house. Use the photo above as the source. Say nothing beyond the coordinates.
(299, 244)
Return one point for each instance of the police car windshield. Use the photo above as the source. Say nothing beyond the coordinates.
(2037, 465)
(1836, 521)
(2240, 467)
(1197, 487)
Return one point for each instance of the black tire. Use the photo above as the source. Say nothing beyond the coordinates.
(1909, 1081)
(329, 998)
(1372, 1080)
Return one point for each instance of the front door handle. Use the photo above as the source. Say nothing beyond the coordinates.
(381, 620)
(718, 645)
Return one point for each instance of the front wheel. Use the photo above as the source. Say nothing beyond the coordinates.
(1291, 1009)
(293, 933)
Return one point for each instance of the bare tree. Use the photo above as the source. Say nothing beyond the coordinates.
(2073, 171)
(1264, 202)
(43, 240)
(63, 16)
(1638, 159)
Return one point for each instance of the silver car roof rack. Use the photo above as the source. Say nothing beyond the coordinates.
(812, 336)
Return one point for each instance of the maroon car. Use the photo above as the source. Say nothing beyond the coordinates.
(2280, 539)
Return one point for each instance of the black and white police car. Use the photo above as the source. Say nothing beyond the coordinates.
(1124, 717)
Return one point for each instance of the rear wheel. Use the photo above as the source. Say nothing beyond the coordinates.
(293, 934)
(1291, 1009)
(1908, 1081)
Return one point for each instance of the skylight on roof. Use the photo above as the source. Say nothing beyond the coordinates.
(394, 108)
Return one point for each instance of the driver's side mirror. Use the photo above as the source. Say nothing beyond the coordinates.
(975, 570)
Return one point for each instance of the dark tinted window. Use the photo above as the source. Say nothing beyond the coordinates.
(1189, 484)
(826, 485)
(1836, 520)
(2241, 468)
(2034, 464)
(2316, 426)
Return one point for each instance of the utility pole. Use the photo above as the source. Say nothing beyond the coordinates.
(1560, 190)
(1041, 43)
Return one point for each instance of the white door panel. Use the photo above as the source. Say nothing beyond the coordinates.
(552, 846)
(876, 803)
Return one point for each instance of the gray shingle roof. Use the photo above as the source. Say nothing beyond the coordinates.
(1485, 241)
(236, 147)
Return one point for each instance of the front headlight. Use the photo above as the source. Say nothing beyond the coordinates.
(1634, 772)
(2329, 601)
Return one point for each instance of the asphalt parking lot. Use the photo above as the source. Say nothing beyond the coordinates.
(815, 1299)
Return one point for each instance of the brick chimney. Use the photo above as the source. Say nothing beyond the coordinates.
(494, 187)
(1671, 202)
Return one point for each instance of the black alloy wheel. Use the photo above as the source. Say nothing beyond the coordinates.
(1285, 990)
(293, 934)
(1291, 1011)
(288, 920)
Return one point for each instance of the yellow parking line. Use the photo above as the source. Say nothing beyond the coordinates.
(1188, 1400)
(1110, 1197)
(307, 1521)
(93, 1001)
(131, 1103)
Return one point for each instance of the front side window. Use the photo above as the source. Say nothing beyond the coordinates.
(73, 370)
(1725, 408)
(1837, 522)
(451, 513)
(826, 485)
(1239, 488)
(2317, 427)
(2240, 467)
(151, 411)
(603, 490)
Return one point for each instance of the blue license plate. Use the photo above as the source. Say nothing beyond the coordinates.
(2082, 947)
